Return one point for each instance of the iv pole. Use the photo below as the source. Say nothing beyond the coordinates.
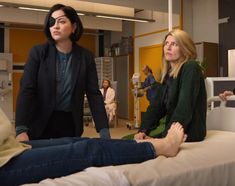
(136, 105)
(169, 15)
(136, 85)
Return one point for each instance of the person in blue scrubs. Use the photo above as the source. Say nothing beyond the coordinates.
(148, 84)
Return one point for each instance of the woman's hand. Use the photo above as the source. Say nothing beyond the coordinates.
(147, 88)
(223, 96)
(141, 136)
(22, 137)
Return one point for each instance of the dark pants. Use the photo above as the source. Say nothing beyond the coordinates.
(59, 157)
(60, 124)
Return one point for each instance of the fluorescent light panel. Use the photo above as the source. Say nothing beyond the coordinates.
(100, 16)
(35, 9)
(125, 18)
(39, 9)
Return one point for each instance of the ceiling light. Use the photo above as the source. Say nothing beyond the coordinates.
(126, 18)
(35, 9)
(100, 16)
(41, 10)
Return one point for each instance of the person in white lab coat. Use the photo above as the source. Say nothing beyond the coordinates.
(109, 99)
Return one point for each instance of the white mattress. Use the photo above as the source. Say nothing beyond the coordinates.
(207, 163)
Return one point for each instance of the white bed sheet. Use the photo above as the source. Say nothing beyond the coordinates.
(207, 163)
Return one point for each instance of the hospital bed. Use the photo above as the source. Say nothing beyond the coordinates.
(207, 163)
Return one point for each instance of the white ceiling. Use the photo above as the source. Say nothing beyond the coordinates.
(157, 5)
(109, 7)
(82, 6)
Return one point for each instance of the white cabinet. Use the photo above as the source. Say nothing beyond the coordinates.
(104, 67)
(3, 64)
(231, 63)
(119, 69)
(6, 94)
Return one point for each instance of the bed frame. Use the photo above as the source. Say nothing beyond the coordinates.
(207, 163)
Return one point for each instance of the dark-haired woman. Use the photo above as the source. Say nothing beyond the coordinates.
(56, 77)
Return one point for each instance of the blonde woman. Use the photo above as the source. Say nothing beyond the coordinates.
(182, 95)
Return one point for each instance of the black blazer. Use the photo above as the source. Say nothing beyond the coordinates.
(37, 96)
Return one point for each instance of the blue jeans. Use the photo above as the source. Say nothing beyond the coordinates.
(60, 157)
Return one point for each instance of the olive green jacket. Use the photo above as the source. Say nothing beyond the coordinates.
(186, 104)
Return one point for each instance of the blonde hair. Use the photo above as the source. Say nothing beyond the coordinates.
(187, 48)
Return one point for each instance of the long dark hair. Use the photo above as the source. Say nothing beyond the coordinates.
(71, 14)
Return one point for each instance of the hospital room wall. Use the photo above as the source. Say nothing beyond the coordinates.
(20, 43)
(226, 34)
(148, 48)
(197, 17)
(205, 21)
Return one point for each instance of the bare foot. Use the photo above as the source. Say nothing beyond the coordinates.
(169, 146)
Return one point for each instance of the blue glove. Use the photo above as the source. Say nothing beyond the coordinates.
(104, 133)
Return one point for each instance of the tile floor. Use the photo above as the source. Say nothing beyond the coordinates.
(117, 133)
